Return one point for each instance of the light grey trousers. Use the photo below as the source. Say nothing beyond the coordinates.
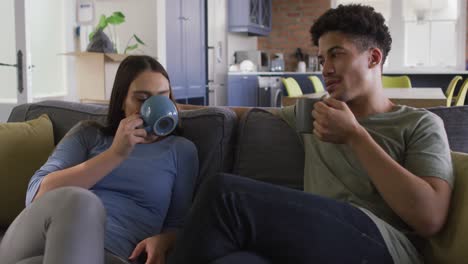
(65, 225)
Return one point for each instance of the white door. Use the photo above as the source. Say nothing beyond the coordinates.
(14, 73)
(35, 34)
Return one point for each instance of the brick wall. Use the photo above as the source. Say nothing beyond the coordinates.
(291, 21)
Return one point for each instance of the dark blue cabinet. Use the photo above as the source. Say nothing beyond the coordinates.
(242, 90)
(250, 16)
(186, 48)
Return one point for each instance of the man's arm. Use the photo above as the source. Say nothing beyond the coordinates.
(422, 201)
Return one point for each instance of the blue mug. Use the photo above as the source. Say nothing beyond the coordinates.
(159, 114)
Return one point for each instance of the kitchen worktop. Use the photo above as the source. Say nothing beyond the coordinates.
(273, 73)
(409, 71)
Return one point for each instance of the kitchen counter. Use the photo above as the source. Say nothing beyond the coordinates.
(275, 73)
(419, 77)
(409, 71)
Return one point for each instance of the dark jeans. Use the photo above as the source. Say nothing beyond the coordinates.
(234, 217)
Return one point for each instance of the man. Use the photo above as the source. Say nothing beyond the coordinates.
(377, 178)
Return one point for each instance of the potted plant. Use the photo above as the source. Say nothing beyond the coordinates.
(99, 40)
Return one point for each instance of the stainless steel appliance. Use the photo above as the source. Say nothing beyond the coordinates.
(277, 63)
(269, 91)
(260, 58)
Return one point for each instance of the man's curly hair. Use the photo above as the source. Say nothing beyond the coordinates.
(361, 23)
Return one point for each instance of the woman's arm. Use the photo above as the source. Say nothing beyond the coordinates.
(87, 173)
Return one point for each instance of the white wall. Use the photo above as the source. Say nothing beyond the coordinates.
(5, 110)
(7, 51)
(239, 41)
(140, 19)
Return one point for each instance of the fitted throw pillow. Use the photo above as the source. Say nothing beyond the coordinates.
(24, 147)
(450, 245)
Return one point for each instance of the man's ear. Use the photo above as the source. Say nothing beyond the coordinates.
(375, 57)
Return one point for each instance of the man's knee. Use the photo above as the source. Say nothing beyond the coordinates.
(223, 183)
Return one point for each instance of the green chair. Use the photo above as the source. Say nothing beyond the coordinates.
(462, 94)
(451, 89)
(396, 81)
(292, 87)
(317, 83)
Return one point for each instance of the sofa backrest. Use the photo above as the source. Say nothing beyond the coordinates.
(210, 129)
(64, 115)
(456, 124)
(268, 149)
(262, 147)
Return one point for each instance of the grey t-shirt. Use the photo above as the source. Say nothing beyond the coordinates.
(415, 138)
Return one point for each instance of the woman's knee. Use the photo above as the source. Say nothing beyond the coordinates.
(78, 200)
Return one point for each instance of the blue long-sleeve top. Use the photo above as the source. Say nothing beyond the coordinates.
(151, 191)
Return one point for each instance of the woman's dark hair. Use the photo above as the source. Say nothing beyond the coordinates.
(129, 69)
(361, 23)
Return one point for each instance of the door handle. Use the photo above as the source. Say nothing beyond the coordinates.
(19, 69)
(8, 65)
(219, 52)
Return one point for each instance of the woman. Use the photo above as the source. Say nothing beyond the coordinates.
(108, 194)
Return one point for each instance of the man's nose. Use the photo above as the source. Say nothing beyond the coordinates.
(327, 68)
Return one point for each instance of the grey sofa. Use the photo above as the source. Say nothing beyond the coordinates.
(259, 145)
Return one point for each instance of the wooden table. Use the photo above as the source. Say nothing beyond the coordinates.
(415, 97)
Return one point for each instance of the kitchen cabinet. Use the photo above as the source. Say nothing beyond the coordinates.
(242, 90)
(186, 49)
(250, 16)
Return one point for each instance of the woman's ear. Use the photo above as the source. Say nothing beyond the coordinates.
(375, 57)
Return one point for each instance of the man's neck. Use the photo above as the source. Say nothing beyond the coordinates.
(371, 104)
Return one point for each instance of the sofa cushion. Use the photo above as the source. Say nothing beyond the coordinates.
(25, 147)
(212, 131)
(450, 245)
(269, 150)
(456, 124)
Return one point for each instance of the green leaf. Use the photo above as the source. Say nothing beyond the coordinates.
(131, 47)
(116, 18)
(139, 40)
(91, 35)
(118, 14)
(102, 22)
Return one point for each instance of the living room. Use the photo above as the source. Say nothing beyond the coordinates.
(409, 165)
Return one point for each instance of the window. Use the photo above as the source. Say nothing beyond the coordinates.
(427, 34)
